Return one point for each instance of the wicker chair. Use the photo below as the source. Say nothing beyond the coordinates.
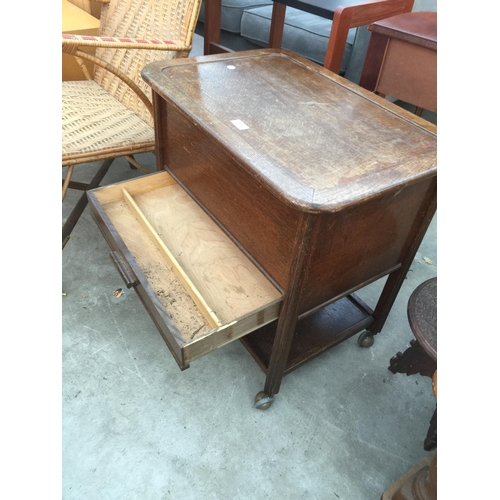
(109, 114)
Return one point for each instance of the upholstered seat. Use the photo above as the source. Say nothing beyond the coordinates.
(304, 33)
(232, 11)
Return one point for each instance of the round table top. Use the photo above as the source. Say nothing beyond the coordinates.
(422, 315)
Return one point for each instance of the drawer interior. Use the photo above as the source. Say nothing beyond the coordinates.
(204, 282)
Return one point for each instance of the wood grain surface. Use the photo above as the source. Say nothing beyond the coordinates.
(311, 138)
(225, 277)
(174, 298)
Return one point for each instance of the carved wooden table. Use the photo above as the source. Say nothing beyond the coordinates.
(420, 482)
(421, 356)
(401, 60)
(281, 190)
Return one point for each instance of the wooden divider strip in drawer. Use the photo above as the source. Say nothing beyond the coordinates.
(162, 287)
(207, 311)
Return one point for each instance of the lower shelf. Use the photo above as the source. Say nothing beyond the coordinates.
(314, 334)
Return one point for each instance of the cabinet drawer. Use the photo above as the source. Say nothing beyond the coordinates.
(199, 288)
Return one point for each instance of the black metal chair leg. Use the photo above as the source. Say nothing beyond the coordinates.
(77, 211)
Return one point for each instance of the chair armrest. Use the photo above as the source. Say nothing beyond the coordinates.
(354, 16)
(70, 43)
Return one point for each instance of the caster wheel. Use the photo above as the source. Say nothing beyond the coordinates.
(263, 401)
(366, 339)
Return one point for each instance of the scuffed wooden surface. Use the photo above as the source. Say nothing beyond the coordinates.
(315, 140)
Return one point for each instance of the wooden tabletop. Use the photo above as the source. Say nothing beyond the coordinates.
(318, 141)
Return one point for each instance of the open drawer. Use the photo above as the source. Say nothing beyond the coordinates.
(199, 288)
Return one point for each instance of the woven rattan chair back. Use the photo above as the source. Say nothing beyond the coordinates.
(150, 20)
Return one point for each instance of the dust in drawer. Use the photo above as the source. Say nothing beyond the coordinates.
(170, 291)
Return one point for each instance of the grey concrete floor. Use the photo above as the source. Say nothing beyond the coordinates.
(136, 427)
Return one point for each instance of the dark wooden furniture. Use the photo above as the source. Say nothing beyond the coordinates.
(344, 18)
(420, 482)
(421, 356)
(282, 189)
(401, 60)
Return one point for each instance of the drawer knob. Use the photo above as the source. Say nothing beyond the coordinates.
(124, 269)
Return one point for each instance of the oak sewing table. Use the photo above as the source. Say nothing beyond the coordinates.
(281, 189)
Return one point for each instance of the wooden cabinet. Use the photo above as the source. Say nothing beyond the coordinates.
(319, 186)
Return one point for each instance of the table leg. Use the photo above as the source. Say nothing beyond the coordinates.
(288, 315)
(413, 360)
(396, 278)
(373, 61)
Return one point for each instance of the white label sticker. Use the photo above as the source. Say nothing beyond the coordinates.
(239, 124)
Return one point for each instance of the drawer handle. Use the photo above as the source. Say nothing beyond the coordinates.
(124, 269)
